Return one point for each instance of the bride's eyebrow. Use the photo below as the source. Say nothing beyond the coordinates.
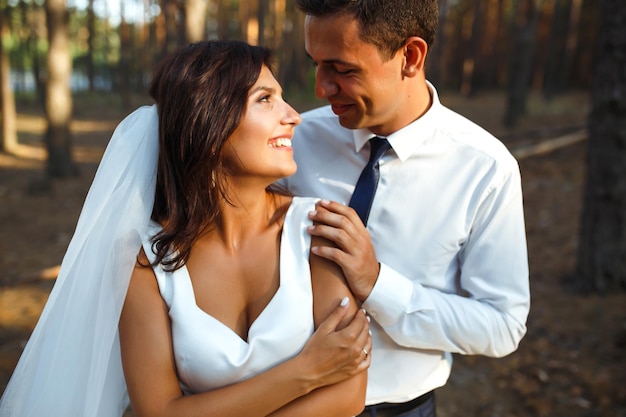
(269, 90)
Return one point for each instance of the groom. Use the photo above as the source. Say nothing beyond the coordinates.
(438, 259)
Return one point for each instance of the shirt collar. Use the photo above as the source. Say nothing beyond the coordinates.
(406, 140)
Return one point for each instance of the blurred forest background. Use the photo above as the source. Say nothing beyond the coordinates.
(53, 48)
(112, 45)
(548, 77)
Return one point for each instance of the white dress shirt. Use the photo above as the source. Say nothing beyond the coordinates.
(447, 225)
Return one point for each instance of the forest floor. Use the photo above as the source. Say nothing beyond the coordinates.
(572, 363)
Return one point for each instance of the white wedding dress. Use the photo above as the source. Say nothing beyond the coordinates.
(208, 353)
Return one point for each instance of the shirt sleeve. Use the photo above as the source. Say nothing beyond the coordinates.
(487, 314)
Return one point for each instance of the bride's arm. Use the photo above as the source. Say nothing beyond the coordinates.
(346, 398)
(328, 357)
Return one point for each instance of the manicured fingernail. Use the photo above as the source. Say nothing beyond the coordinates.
(312, 213)
(325, 202)
(344, 301)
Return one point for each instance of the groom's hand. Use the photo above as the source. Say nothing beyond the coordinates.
(353, 252)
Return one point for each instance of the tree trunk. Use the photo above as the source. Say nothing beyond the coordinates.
(33, 18)
(295, 65)
(58, 96)
(453, 54)
(173, 30)
(584, 52)
(520, 70)
(160, 28)
(223, 19)
(572, 39)
(280, 10)
(471, 77)
(487, 76)
(435, 56)
(261, 17)
(107, 34)
(195, 20)
(9, 130)
(125, 57)
(602, 250)
(558, 55)
(153, 37)
(249, 21)
(91, 28)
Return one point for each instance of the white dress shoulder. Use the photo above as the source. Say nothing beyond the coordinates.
(209, 354)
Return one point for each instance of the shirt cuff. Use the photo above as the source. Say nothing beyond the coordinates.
(390, 297)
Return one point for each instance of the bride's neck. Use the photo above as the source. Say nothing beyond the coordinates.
(249, 214)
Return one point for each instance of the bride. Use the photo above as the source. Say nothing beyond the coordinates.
(188, 288)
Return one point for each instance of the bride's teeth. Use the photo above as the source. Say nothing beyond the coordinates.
(281, 142)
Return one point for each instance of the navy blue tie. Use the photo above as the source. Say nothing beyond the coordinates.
(365, 188)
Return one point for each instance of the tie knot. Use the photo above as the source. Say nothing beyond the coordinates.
(378, 147)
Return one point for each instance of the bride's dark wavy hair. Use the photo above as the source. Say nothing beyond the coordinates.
(201, 92)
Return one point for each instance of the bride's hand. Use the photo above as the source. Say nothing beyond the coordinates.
(332, 355)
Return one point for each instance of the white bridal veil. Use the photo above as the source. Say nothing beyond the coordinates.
(71, 366)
